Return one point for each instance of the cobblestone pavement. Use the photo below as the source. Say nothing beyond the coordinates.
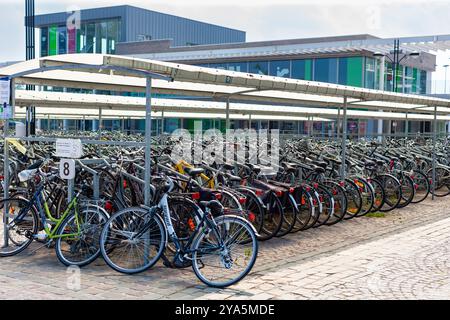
(403, 255)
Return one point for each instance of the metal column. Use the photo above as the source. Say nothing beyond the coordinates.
(227, 113)
(100, 123)
(344, 139)
(406, 125)
(6, 193)
(148, 138)
(434, 152)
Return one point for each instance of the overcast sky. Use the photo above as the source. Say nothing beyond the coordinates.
(264, 19)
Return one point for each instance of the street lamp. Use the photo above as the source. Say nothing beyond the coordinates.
(396, 61)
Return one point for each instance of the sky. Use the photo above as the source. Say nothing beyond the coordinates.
(266, 19)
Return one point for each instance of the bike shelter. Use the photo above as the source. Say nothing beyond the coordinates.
(212, 91)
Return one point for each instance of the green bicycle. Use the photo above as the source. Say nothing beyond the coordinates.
(75, 233)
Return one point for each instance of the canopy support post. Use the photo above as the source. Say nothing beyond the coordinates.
(344, 139)
(6, 192)
(227, 114)
(434, 152)
(148, 138)
(100, 123)
(338, 123)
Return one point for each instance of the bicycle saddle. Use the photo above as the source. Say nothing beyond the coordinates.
(228, 166)
(233, 178)
(194, 172)
(255, 168)
(215, 206)
(319, 169)
(289, 167)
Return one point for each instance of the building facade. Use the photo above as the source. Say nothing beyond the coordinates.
(347, 60)
(99, 30)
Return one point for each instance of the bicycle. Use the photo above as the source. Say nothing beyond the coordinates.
(75, 232)
(134, 239)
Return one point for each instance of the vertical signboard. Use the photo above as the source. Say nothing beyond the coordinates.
(5, 97)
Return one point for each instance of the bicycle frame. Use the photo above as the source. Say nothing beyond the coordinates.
(45, 214)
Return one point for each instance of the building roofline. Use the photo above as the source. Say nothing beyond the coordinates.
(126, 7)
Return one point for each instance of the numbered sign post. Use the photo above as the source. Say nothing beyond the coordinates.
(67, 169)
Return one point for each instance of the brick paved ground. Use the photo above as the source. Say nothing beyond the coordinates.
(403, 255)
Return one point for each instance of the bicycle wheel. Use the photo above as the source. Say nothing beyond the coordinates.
(340, 202)
(290, 214)
(317, 209)
(273, 215)
(367, 196)
(80, 246)
(305, 209)
(18, 227)
(354, 199)
(254, 212)
(442, 184)
(422, 186)
(408, 190)
(224, 256)
(379, 194)
(392, 192)
(327, 201)
(133, 240)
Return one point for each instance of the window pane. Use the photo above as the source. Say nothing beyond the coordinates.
(370, 73)
(280, 69)
(62, 40)
(53, 41)
(101, 43)
(342, 76)
(44, 42)
(90, 38)
(325, 70)
(301, 69)
(113, 35)
(238, 66)
(259, 67)
(222, 66)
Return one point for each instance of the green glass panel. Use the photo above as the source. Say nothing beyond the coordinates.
(53, 41)
(308, 69)
(354, 71)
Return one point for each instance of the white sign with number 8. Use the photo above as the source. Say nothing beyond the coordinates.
(67, 169)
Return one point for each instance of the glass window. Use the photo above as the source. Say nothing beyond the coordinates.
(280, 68)
(423, 82)
(81, 39)
(222, 66)
(101, 40)
(90, 38)
(72, 40)
(258, 67)
(62, 40)
(53, 41)
(409, 80)
(388, 83)
(113, 35)
(342, 75)
(370, 73)
(325, 70)
(238, 66)
(44, 42)
(301, 69)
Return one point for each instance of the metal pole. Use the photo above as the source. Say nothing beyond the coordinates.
(5, 193)
(148, 138)
(406, 125)
(162, 121)
(434, 152)
(338, 123)
(344, 139)
(48, 123)
(227, 113)
(100, 122)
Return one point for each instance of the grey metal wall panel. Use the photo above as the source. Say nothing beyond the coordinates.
(137, 21)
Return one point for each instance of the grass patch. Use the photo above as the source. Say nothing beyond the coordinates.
(376, 215)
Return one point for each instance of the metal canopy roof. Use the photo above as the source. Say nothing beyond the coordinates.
(277, 48)
(87, 105)
(120, 73)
